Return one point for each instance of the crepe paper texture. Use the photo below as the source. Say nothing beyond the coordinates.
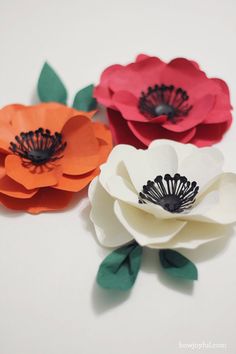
(48, 152)
(166, 197)
(119, 269)
(176, 265)
(51, 89)
(150, 99)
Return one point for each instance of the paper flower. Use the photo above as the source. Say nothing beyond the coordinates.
(47, 153)
(149, 100)
(167, 197)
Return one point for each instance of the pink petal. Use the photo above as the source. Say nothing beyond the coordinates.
(146, 133)
(196, 116)
(120, 130)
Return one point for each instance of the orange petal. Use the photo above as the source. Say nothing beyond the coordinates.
(46, 199)
(104, 138)
(52, 116)
(7, 112)
(6, 136)
(104, 151)
(102, 131)
(82, 151)
(11, 188)
(2, 163)
(76, 183)
(31, 176)
(14, 189)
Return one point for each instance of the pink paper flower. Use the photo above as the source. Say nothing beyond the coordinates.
(149, 99)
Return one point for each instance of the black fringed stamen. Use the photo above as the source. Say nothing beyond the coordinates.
(175, 194)
(39, 146)
(164, 100)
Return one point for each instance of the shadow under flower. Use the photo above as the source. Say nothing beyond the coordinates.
(9, 213)
(104, 300)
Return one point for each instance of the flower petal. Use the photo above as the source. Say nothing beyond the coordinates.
(46, 199)
(217, 116)
(183, 73)
(195, 234)
(147, 132)
(144, 165)
(141, 57)
(127, 104)
(209, 134)
(50, 116)
(182, 150)
(108, 72)
(123, 190)
(32, 176)
(198, 113)
(120, 130)
(145, 228)
(76, 183)
(7, 135)
(115, 165)
(137, 76)
(109, 230)
(13, 189)
(202, 166)
(224, 211)
(7, 112)
(104, 96)
(81, 154)
(104, 139)
(102, 131)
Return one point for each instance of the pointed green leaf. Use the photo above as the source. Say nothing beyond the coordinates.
(84, 100)
(120, 268)
(50, 86)
(177, 265)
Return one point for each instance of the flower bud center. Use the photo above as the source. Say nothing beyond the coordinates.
(39, 146)
(164, 100)
(174, 194)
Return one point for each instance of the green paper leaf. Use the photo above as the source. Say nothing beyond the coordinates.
(50, 86)
(84, 100)
(120, 268)
(177, 265)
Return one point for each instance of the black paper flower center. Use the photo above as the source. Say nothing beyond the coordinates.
(175, 194)
(164, 100)
(39, 146)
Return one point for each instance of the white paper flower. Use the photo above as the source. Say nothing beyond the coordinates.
(171, 195)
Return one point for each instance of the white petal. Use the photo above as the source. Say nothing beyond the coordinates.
(198, 212)
(144, 165)
(109, 230)
(145, 228)
(123, 190)
(217, 204)
(224, 212)
(195, 234)
(182, 150)
(202, 166)
(114, 165)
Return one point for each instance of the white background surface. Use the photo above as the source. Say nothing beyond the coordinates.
(49, 303)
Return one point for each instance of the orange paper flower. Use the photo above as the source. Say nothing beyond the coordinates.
(47, 153)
